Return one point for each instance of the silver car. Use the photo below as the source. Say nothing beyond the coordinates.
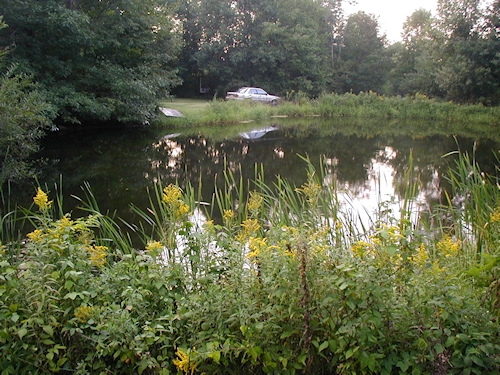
(253, 93)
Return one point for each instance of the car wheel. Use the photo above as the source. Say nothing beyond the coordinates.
(274, 102)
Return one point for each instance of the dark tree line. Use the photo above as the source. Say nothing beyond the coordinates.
(310, 46)
(110, 61)
(94, 60)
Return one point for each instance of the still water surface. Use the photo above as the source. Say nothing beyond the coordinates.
(121, 164)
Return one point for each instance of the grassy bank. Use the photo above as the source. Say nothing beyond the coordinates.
(287, 282)
(363, 106)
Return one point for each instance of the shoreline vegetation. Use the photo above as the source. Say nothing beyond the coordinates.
(286, 282)
(367, 105)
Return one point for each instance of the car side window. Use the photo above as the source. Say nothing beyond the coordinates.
(253, 91)
(261, 92)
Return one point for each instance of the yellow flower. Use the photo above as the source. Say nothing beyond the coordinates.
(84, 313)
(255, 203)
(182, 210)
(65, 222)
(495, 215)
(421, 257)
(311, 190)
(154, 247)
(250, 228)
(228, 215)
(256, 245)
(41, 200)
(36, 236)
(185, 362)
(172, 198)
(361, 248)
(97, 255)
(435, 269)
(448, 247)
(171, 194)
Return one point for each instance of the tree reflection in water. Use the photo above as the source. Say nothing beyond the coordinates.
(120, 164)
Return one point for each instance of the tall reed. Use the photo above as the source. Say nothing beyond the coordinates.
(473, 203)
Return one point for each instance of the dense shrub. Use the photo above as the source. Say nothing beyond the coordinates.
(274, 287)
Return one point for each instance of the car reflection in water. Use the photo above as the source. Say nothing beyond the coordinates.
(257, 133)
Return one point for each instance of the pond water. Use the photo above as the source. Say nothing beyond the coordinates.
(121, 164)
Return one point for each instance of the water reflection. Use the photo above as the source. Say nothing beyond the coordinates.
(257, 133)
(120, 164)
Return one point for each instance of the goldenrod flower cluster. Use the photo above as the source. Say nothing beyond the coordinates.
(42, 201)
(36, 236)
(256, 246)
(185, 362)
(97, 255)
(172, 198)
(255, 203)
(362, 248)
(154, 247)
(84, 313)
(421, 256)
(448, 247)
(495, 215)
(250, 227)
(311, 190)
(228, 216)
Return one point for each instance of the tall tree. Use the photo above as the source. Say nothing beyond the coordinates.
(414, 64)
(282, 45)
(363, 63)
(464, 74)
(98, 60)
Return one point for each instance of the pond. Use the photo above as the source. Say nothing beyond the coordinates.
(368, 162)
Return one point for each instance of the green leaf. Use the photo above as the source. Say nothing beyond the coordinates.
(323, 346)
(438, 348)
(69, 284)
(333, 345)
(350, 352)
(449, 341)
(286, 334)
(49, 330)
(71, 296)
(215, 356)
(22, 332)
(14, 317)
(403, 366)
(392, 250)
(478, 361)
(255, 352)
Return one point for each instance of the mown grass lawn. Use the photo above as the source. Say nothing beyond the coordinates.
(187, 107)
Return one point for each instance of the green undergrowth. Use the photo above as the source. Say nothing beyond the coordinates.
(287, 281)
(368, 105)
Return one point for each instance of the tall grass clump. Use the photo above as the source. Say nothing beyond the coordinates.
(264, 279)
(473, 213)
(365, 105)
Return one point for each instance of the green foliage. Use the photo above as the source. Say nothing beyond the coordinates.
(365, 105)
(277, 43)
(281, 284)
(95, 61)
(362, 62)
(24, 115)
